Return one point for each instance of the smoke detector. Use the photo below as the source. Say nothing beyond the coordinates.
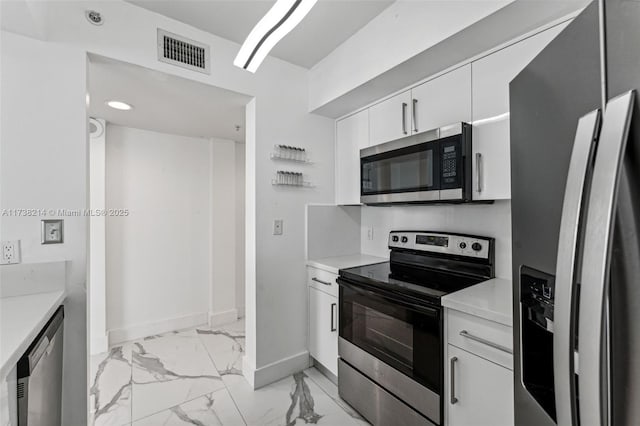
(94, 17)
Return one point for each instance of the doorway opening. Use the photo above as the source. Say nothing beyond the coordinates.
(166, 258)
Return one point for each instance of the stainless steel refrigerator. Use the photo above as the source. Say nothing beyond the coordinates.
(575, 182)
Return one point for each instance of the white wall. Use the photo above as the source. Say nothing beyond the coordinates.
(170, 255)
(240, 218)
(400, 32)
(44, 160)
(98, 340)
(487, 220)
(223, 232)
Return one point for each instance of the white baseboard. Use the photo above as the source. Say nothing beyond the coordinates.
(259, 377)
(138, 331)
(99, 344)
(240, 310)
(248, 371)
(224, 317)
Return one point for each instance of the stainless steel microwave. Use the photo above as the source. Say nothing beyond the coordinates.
(432, 166)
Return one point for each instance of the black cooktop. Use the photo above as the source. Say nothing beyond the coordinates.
(418, 282)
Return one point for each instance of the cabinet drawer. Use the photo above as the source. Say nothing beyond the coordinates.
(322, 280)
(484, 338)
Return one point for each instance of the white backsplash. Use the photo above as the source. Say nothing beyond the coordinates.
(487, 220)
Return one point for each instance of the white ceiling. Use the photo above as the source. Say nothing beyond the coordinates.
(329, 23)
(164, 103)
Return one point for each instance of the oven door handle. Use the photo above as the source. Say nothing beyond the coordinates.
(433, 312)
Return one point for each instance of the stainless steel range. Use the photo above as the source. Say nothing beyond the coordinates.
(390, 324)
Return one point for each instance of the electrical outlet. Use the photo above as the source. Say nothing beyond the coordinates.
(277, 227)
(370, 233)
(10, 252)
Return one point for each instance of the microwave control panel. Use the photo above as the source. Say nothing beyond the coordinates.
(449, 162)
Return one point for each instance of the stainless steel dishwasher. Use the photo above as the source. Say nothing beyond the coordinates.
(40, 377)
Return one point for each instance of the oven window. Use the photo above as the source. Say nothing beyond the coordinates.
(386, 335)
(404, 336)
(404, 170)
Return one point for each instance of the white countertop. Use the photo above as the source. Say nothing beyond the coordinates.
(21, 319)
(334, 264)
(490, 300)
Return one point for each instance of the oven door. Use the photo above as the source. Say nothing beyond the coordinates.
(404, 334)
(402, 171)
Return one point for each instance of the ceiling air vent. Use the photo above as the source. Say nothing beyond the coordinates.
(183, 52)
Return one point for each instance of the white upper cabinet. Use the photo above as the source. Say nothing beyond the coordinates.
(390, 119)
(490, 82)
(442, 101)
(352, 134)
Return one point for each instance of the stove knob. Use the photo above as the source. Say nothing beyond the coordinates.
(476, 246)
(395, 238)
(405, 239)
(463, 245)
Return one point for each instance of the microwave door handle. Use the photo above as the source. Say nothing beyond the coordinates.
(564, 327)
(478, 172)
(414, 113)
(404, 118)
(593, 384)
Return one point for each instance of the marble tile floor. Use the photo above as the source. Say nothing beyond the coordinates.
(194, 377)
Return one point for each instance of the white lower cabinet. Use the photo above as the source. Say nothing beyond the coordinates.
(478, 371)
(480, 393)
(323, 329)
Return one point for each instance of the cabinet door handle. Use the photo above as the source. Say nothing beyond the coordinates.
(478, 172)
(404, 118)
(320, 281)
(465, 333)
(453, 379)
(413, 112)
(333, 310)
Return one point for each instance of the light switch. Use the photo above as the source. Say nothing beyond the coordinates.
(277, 227)
(52, 231)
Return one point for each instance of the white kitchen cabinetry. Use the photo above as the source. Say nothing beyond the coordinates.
(478, 371)
(323, 321)
(442, 101)
(491, 76)
(390, 119)
(352, 134)
(483, 391)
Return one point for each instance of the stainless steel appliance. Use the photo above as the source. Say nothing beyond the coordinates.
(432, 166)
(40, 377)
(575, 171)
(390, 324)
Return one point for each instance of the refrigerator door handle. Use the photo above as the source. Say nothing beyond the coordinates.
(594, 278)
(572, 217)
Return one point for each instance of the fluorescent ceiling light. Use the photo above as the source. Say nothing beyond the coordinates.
(122, 106)
(279, 20)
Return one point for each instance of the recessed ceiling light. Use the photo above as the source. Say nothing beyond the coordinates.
(122, 106)
(279, 20)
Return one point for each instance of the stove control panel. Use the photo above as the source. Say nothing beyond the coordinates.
(455, 244)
